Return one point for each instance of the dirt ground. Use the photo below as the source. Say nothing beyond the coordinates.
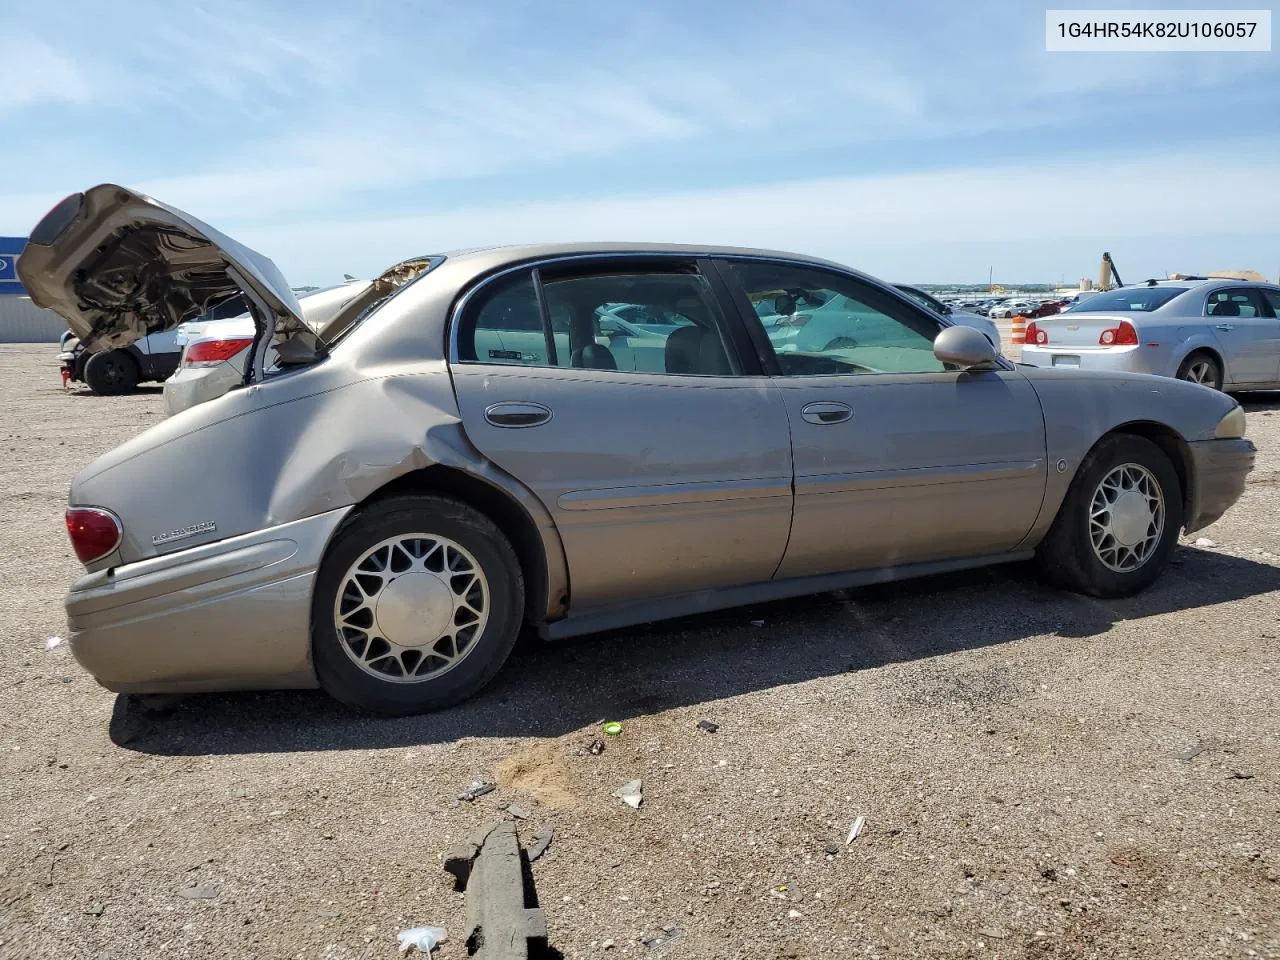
(1042, 775)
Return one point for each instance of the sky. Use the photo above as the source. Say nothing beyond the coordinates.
(920, 142)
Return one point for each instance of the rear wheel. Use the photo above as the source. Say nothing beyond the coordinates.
(416, 607)
(111, 372)
(1202, 368)
(1119, 523)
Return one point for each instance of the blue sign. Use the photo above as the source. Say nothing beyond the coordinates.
(10, 247)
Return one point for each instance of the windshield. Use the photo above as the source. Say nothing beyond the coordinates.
(1128, 299)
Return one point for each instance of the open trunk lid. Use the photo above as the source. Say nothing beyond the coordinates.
(118, 265)
(1079, 329)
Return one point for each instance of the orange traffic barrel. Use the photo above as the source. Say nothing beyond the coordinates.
(1019, 329)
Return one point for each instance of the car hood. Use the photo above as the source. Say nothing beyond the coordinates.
(118, 265)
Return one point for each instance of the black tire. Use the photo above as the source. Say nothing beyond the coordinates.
(488, 649)
(1201, 363)
(111, 372)
(1067, 558)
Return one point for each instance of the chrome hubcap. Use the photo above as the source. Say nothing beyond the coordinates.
(1201, 372)
(1126, 517)
(411, 608)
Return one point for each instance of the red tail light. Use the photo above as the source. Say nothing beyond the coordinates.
(210, 353)
(94, 532)
(1036, 334)
(1121, 336)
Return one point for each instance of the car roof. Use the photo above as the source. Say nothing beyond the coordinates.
(496, 257)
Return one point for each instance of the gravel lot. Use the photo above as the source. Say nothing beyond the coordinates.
(1042, 775)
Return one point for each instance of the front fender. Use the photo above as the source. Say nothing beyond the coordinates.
(1081, 407)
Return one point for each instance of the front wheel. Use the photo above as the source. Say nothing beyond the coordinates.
(1119, 523)
(1202, 368)
(416, 607)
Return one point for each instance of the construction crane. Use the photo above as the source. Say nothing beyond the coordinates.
(1108, 273)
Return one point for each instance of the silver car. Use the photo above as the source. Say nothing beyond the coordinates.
(380, 510)
(1221, 333)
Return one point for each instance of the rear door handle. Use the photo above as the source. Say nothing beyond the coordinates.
(512, 413)
(826, 411)
(1225, 327)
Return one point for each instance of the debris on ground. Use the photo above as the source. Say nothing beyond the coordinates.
(478, 788)
(423, 939)
(52, 643)
(502, 912)
(596, 747)
(1240, 775)
(1205, 542)
(794, 914)
(757, 623)
(613, 728)
(203, 891)
(94, 909)
(631, 793)
(832, 849)
(459, 860)
(608, 944)
(541, 841)
(1192, 752)
(708, 726)
(519, 812)
(855, 830)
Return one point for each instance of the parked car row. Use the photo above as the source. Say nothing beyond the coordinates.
(486, 439)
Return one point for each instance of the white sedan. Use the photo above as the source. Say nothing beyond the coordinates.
(214, 351)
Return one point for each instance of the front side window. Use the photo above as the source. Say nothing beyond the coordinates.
(1273, 298)
(823, 323)
(1232, 303)
(639, 322)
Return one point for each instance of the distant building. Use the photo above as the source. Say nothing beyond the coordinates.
(21, 321)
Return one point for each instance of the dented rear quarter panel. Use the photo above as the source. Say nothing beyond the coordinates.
(306, 442)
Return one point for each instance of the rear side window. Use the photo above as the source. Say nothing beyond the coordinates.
(1273, 299)
(504, 324)
(641, 321)
(1233, 303)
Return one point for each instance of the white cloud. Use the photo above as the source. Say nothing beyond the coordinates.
(35, 74)
(921, 224)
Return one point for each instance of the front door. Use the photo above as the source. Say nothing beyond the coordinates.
(1249, 333)
(897, 459)
(660, 483)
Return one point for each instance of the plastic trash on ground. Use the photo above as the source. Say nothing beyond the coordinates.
(425, 939)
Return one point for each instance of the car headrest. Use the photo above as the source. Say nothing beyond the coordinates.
(696, 350)
(594, 356)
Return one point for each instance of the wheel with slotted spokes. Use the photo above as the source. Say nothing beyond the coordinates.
(416, 607)
(1119, 522)
(1202, 368)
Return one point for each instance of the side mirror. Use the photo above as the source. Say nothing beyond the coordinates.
(964, 347)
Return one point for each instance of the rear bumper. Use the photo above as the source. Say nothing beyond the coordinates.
(1219, 468)
(1139, 359)
(230, 615)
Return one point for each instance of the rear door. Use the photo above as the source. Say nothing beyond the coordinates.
(660, 483)
(1247, 329)
(897, 459)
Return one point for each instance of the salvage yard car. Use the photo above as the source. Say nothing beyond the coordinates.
(114, 371)
(215, 351)
(1223, 334)
(381, 509)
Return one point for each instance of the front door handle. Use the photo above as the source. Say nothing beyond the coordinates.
(1225, 327)
(512, 413)
(826, 411)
